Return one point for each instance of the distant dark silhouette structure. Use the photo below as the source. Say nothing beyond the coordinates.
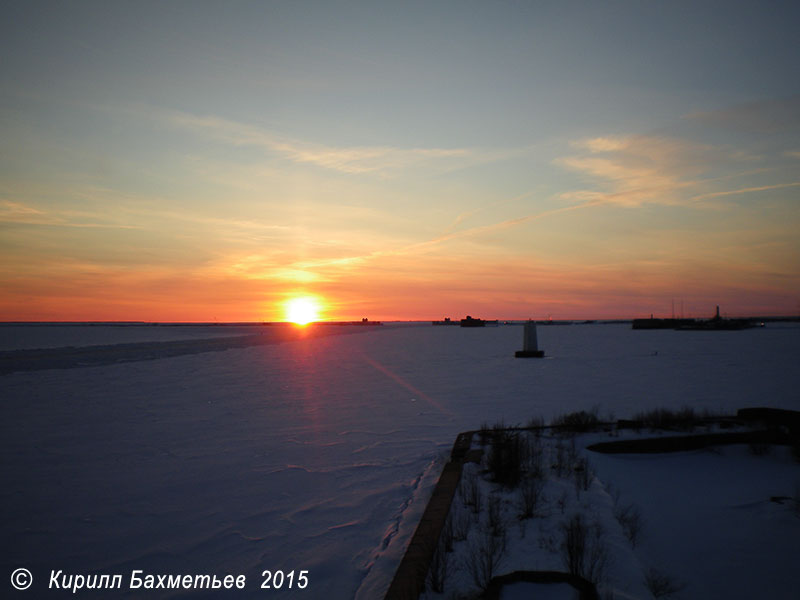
(470, 322)
(715, 323)
(445, 321)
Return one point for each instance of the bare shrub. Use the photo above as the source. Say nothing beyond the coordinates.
(573, 544)
(525, 450)
(548, 543)
(685, 419)
(572, 454)
(505, 457)
(446, 537)
(660, 584)
(613, 492)
(598, 557)
(531, 495)
(536, 424)
(460, 522)
(495, 516)
(562, 502)
(484, 434)
(630, 519)
(471, 491)
(561, 465)
(535, 457)
(486, 554)
(439, 567)
(577, 422)
(583, 549)
(582, 474)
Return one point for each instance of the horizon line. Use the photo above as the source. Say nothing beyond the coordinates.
(376, 321)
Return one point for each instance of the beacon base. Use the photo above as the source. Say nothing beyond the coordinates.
(529, 353)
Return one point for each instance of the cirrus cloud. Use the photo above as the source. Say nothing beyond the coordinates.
(381, 160)
(638, 170)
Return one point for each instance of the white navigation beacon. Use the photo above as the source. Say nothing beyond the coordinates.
(530, 343)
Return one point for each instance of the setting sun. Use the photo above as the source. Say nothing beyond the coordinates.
(302, 310)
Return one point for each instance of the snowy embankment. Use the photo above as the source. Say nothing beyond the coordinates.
(317, 454)
(719, 522)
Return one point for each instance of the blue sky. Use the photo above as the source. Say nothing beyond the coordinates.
(191, 161)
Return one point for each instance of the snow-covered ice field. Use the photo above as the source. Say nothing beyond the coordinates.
(316, 454)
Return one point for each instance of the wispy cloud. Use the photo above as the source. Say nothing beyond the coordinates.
(353, 160)
(14, 211)
(633, 171)
(480, 230)
(638, 170)
(23, 214)
(277, 266)
(748, 190)
(490, 206)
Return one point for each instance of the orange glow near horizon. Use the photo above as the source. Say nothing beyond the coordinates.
(440, 288)
(303, 310)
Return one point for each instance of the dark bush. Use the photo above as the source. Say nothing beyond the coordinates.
(471, 491)
(439, 567)
(484, 434)
(660, 584)
(531, 490)
(630, 518)
(536, 424)
(505, 457)
(583, 550)
(685, 419)
(486, 554)
(580, 421)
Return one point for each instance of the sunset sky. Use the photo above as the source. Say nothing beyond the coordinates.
(202, 161)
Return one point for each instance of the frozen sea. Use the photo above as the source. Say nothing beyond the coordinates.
(315, 454)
